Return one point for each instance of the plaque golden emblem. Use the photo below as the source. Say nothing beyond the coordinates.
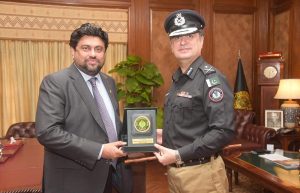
(142, 124)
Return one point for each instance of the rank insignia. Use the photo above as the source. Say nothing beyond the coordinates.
(213, 81)
(207, 69)
(216, 94)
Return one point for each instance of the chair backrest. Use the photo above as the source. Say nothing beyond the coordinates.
(21, 130)
(242, 118)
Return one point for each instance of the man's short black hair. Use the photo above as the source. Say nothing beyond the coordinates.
(88, 29)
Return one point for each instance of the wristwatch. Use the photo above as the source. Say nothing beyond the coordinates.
(178, 158)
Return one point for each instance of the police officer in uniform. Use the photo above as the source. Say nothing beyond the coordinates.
(198, 113)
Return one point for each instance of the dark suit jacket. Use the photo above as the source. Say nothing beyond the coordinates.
(69, 126)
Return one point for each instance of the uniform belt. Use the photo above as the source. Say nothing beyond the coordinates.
(194, 162)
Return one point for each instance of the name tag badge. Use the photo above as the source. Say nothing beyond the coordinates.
(184, 94)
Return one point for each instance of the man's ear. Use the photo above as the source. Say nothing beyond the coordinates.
(72, 52)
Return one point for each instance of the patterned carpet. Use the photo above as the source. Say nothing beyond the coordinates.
(246, 185)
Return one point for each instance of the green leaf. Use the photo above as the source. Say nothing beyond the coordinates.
(139, 79)
(146, 96)
(132, 100)
(134, 59)
(121, 94)
(158, 80)
(131, 84)
(144, 80)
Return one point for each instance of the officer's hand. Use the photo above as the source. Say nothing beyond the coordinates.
(159, 136)
(165, 155)
(113, 150)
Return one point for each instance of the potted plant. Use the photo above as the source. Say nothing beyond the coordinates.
(140, 78)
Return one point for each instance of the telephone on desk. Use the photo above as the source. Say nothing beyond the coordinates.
(285, 131)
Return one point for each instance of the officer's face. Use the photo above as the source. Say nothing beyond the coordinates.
(89, 54)
(187, 47)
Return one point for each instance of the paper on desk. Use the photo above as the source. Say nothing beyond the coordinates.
(274, 157)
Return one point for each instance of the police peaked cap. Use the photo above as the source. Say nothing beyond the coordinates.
(182, 22)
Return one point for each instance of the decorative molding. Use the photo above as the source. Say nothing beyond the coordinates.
(240, 9)
(49, 22)
(279, 6)
(80, 3)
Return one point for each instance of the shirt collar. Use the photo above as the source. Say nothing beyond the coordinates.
(87, 77)
(191, 72)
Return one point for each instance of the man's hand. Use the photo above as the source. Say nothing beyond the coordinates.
(113, 150)
(159, 136)
(165, 155)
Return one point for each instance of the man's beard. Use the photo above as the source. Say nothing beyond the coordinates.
(85, 68)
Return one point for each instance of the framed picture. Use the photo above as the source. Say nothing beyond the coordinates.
(274, 119)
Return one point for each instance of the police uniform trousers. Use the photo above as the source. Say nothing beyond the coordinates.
(209, 177)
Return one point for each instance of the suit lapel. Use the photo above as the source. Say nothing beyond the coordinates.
(84, 92)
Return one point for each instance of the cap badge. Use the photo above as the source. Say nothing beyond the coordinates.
(179, 20)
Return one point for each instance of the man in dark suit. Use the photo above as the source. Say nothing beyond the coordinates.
(80, 154)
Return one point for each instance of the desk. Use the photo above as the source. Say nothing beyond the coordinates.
(266, 173)
(24, 170)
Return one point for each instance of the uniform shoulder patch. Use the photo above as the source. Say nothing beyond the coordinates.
(216, 94)
(212, 81)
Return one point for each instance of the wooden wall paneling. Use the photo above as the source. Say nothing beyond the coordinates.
(295, 37)
(262, 18)
(161, 54)
(280, 12)
(282, 36)
(262, 31)
(206, 10)
(280, 5)
(268, 100)
(234, 30)
(289, 26)
(139, 29)
(174, 5)
(234, 6)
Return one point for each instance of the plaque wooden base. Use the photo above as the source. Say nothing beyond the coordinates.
(139, 149)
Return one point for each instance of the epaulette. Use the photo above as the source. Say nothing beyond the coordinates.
(207, 69)
(213, 79)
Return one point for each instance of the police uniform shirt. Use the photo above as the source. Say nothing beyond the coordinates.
(198, 112)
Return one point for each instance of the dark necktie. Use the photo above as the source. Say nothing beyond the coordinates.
(109, 126)
(110, 130)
